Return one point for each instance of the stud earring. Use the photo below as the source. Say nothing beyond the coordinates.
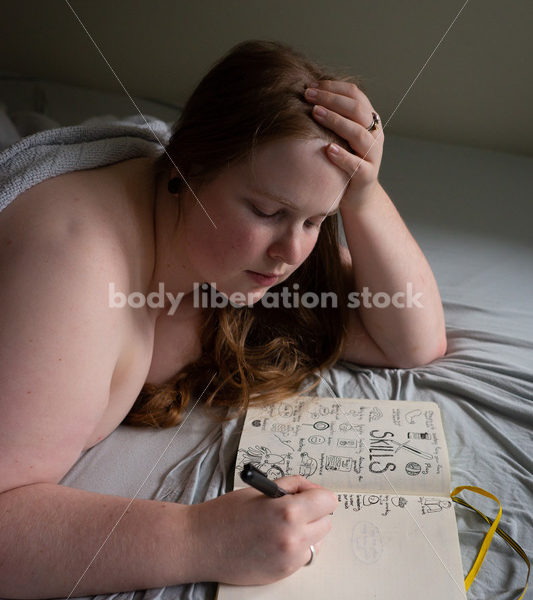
(174, 185)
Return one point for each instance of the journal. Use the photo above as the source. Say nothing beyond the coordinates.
(394, 531)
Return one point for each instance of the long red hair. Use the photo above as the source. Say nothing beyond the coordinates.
(252, 96)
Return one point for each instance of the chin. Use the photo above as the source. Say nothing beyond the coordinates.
(251, 298)
(240, 298)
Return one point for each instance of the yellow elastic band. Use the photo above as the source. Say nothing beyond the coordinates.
(488, 537)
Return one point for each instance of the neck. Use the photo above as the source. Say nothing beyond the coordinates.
(170, 267)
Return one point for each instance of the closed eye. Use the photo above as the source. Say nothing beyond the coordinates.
(262, 214)
(279, 213)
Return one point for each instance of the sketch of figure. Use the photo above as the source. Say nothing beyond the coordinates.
(308, 465)
(262, 458)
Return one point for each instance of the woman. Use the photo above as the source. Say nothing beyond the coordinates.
(244, 199)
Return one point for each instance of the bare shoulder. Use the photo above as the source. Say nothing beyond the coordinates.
(60, 341)
(94, 200)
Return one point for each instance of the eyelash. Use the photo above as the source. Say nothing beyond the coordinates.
(278, 213)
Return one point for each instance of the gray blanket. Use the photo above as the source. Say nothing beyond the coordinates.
(57, 151)
(484, 384)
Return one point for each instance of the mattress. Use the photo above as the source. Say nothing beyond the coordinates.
(471, 211)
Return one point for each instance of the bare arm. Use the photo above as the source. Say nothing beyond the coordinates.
(385, 259)
(59, 345)
(51, 534)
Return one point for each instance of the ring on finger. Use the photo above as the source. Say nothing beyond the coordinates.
(313, 553)
(375, 122)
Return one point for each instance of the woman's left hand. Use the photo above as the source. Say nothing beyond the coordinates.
(348, 113)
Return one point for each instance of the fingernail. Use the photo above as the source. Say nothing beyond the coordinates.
(313, 84)
(311, 93)
(334, 149)
(321, 112)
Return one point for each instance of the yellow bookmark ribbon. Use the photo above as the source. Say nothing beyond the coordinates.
(489, 535)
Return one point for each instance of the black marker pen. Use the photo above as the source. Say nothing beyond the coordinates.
(258, 480)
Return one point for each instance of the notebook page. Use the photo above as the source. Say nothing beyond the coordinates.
(380, 547)
(349, 444)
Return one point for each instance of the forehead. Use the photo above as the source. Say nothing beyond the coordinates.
(296, 170)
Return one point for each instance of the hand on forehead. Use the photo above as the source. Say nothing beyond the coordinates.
(298, 173)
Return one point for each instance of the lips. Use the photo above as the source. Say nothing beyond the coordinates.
(266, 279)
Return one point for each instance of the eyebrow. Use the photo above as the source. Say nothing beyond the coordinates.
(282, 200)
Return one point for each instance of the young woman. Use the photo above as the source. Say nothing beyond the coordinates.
(269, 148)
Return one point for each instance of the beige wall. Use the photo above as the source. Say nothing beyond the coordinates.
(477, 88)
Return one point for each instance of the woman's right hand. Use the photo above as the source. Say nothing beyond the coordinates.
(247, 538)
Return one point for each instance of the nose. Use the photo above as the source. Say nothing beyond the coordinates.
(290, 247)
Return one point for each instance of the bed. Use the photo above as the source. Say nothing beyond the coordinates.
(471, 211)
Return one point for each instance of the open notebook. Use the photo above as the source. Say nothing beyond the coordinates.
(394, 532)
